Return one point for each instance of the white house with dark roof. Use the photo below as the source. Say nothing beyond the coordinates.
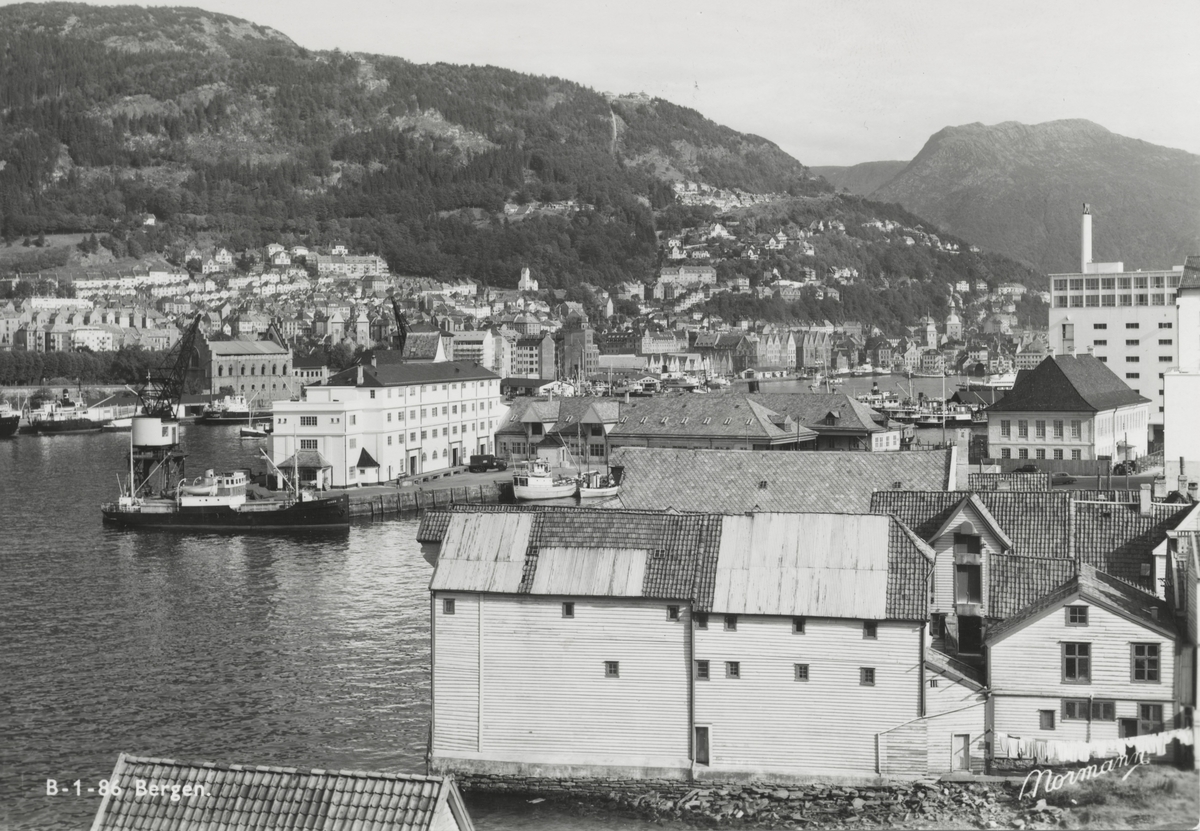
(1069, 407)
(372, 424)
(594, 643)
(1090, 661)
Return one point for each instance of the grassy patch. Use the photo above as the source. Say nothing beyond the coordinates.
(1150, 797)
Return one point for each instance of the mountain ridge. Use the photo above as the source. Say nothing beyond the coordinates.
(1018, 189)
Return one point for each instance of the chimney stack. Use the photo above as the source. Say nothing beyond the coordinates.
(1086, 239)
(1144, 500)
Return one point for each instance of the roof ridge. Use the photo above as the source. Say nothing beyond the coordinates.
(153, 760)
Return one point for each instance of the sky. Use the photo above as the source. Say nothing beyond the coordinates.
(836, 82)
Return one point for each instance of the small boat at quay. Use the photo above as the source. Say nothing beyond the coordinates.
(596, 484)
(535, 480)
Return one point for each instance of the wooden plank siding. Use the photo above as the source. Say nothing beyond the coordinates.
(943, 568)
(940, 732)
(903, 750)
(456, 673)
(767, 720)
(545, 697)
(1026, 671)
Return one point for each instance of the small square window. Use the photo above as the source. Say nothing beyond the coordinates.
(672, 613)
(1104, 710)
(612, 669)
(733, 669)
(798, 625)
(701, 619)
(448, 606)
(702, 670)
(730, 623)
(866, 676)
(801, 671)
(1077, 616)
(568, 609)
(870, 629)
(1046, 719)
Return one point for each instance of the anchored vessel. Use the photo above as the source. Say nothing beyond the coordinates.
(535, 480)
(159, 494)
(597, 484)
(10, 419)
(64, 415)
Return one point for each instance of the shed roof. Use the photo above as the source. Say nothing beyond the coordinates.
(811, 410)
(732, 481)
(780, 564)
(279, 798)
(729, 416)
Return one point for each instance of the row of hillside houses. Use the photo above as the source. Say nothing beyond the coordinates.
(925, 632)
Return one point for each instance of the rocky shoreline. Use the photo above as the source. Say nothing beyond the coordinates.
(922, 804)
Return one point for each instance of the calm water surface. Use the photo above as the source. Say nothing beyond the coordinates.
(251, 649)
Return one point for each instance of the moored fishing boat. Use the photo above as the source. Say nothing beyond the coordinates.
(52, 416)
(596, 484)
(230, 410)
(535, 480)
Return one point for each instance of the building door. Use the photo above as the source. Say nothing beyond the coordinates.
(702, 745)
(412, 465)
(1127, 728)
(454, 458)
(961, 750)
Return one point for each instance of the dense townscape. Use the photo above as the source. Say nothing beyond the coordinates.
(730, 497)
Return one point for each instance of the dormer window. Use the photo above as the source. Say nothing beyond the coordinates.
(967, 543)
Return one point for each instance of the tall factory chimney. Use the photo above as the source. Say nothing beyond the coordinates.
(1086, 240)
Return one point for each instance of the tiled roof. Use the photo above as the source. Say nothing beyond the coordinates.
(432, 528)
(394, 374)
(1118, 540)
(1036, 521)
(276, 798)
(1068, 383)
(308, 459)
(729, 416)
(676, 555)
(811, 410)
(1015, 581)
(1008, 481)
(422, 345)
(731, 481)
(246, 347)
(1099, 588)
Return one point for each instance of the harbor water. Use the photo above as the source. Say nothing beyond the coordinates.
(300, 652)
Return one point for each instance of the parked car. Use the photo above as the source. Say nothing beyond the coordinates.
(1125, 468)
(1027, 469)
(1062, 479)
(484, 463)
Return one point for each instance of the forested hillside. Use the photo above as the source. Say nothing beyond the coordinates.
(230, 134)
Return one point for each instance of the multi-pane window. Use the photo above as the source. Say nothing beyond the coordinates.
(1076, 428)
(702, 671)
(308, 421)
(1075, 709)
(730, 623)
(866, 676)
(1077, 663)
(308, 444)
(801, 671)
(1077, 615)
(1150, 718)
(672, 613)
(1076, 455)
(968, 584)
(1058, 454)
(612, 669)
(1104, 710)
(1023, 453)
(1039, 427)
(1005, 453)
(1040, 453)
(1022, 428)
(448, 606)
(1145, 662)
(1131, 342)
(733, 669)
(1005, 428)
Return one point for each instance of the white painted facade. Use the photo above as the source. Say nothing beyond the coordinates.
(768, 721)
(1026, 673)
(516, 681)
(1120, 433)
(1126, 319)
(407, 429)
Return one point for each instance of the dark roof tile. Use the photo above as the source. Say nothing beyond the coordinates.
(1068, 383)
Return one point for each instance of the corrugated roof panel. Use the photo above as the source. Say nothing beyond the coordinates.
(590, 572)
(483, 552)
(827, 565)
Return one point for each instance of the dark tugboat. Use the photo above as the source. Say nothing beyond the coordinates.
(160, 496)
(10, 419)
